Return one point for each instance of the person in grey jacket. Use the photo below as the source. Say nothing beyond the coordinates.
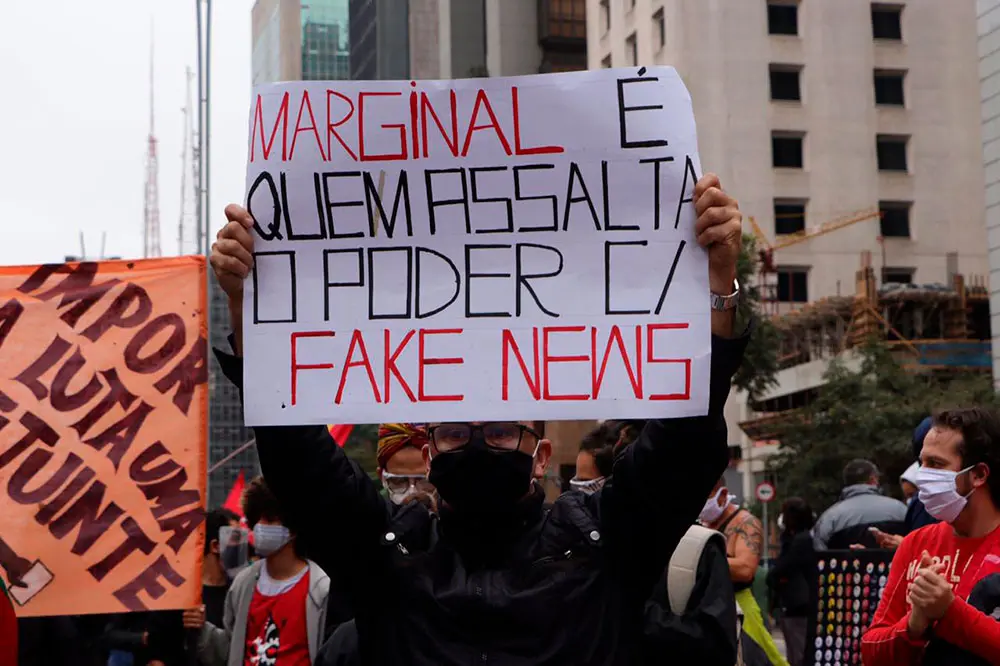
(275, 610)
(861, 507)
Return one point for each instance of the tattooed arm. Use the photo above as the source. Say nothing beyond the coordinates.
(745, 537)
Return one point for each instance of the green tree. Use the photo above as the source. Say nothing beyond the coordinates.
(362, 447)
(869, 412)
(760, 363)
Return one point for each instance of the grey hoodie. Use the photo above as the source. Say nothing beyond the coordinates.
(861, 504)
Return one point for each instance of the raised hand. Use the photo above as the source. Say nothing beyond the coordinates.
(232, 251)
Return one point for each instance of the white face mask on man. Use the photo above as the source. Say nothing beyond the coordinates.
(937, 490)
(712, 510)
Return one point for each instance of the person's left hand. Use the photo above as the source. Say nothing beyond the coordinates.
(931, 593)
(720, 230)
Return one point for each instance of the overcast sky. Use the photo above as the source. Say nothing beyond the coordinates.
(74, 117)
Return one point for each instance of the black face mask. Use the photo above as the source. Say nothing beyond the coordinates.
(479, 479)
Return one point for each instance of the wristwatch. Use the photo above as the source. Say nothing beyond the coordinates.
(724, 303)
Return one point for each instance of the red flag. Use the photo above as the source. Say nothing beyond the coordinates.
(234, 502)
(340, 433)
(8, 628)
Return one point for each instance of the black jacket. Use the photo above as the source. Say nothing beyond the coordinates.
(341, 649)
(792, 577)
(705, 632)
(563, 587)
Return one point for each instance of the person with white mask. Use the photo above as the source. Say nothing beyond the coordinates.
(744, 549)
(275, 611)
(942, 597)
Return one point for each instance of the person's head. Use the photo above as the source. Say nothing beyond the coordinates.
(215, 520)
(401, 464)
(957, 464)
(796, 516)
(860, 472)
(271, 533)
(485, 467)
(716, 504)
(908, 481)
(596, 458)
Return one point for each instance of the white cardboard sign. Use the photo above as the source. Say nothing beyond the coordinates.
(481, 249)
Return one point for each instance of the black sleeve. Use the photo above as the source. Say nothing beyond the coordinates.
(341, 649)
(119, 635)
(333, 506)
(681, 457)
(786, 563)
(167, 639)
(705, 633)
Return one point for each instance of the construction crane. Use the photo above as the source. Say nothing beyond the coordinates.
(766, 252)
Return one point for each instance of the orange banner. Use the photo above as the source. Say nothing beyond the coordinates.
(103, 409)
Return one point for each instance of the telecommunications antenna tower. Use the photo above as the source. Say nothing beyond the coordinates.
(151, 211)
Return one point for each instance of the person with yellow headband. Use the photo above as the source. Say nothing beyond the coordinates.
(401, 466)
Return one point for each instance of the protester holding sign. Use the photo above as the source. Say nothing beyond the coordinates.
(942, 599)
(490, 577)
(598, 296)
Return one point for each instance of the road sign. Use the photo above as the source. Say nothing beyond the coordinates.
(765, 492)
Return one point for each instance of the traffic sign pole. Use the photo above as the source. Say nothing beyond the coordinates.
(765, 493)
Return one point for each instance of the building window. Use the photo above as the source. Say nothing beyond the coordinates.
(782, 18)
(891, 152)
(889, 88)
(786, 150)
(785, 83)
(606, 62)
(631, 51)
(660, 28)
(605, 16)
(789, 217)
(887, 22)
(793, 285)
(895, 220)
(891, 275)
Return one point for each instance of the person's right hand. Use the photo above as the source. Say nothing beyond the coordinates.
(16, 569)
(918, 622)
(194, 618)
(232, 251)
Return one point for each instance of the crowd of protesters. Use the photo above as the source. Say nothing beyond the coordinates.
(454, 556)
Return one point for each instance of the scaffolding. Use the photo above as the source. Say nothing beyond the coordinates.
(931, 328)
(929, 321)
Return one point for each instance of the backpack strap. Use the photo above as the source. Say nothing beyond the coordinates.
(683, 569)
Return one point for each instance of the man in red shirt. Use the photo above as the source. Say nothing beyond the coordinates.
(275, 610)
(941, 603)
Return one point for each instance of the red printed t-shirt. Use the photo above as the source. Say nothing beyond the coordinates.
(276, 625)
(967, 561)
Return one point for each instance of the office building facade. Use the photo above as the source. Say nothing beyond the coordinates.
(296, 41)
(811, 111)
(292, 40)
(380, 39)
(989, 71)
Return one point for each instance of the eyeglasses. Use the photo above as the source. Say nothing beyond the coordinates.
(503, 436)
(402, 483)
